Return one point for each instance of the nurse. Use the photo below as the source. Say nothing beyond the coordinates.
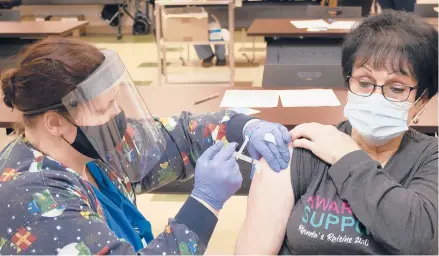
(68, 182)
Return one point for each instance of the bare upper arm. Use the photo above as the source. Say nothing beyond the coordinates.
(269, 205)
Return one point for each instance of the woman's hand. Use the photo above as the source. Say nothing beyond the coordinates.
(217, 175)
(325, 141)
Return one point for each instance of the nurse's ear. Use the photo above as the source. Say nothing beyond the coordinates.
(58, 125)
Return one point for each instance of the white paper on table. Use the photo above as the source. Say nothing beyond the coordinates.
(309, 98)
(316, 29)
(309, 23)
(245, 111)
(250, 99)
(342, 24)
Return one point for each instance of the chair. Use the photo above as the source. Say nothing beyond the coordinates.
(426, 10)
(324, 12)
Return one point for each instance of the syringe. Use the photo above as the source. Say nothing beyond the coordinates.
(239, 155)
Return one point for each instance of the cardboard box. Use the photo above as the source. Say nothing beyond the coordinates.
(187, 24)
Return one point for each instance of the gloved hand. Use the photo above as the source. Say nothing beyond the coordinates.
(277, 155)
(217, 175)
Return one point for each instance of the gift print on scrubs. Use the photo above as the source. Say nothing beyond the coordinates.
(331, 220)
(193, 247)
(184, 249)
(215, 132)
(103, 251)
(38, 161)
(166, 174)
(127, 146)
(193, 124)
(226, 117)
(45, 205)
(91, 216)
(74, 249)
(169, 123)
(168, 229)
(193, 156)
(2, 242)
(22, 239)
(189, 248)
(185, 159)
(8, 175)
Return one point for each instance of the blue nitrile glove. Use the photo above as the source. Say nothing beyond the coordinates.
(277, 155)
(217, 175)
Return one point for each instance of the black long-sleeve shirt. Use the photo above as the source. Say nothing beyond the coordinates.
(358, 207)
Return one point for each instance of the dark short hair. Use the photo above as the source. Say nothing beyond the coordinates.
(395, 41)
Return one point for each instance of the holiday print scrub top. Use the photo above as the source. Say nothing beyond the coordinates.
(47, 208)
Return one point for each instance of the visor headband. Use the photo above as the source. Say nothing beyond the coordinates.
(104, 77)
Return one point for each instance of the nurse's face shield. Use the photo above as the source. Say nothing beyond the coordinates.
(110, 111)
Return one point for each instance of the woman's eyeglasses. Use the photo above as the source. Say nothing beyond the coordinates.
(392, 92)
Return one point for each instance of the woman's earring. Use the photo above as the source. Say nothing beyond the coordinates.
(416, 117)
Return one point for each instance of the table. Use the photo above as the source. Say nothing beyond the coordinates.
(38, 29)
(283, 28)
(183, 98)
(15, 34)
(285, 42)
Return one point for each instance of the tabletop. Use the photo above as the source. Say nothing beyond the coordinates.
(283, 28)
(38, 29)
(192, 2)
(169, 101)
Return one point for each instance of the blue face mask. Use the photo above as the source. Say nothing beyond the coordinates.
(376, 119)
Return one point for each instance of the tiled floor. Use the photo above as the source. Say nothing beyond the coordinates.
(140, 57)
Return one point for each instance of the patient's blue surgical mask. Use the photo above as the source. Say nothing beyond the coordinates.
(378, 120)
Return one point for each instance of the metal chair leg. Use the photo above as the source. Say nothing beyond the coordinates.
(119, 26)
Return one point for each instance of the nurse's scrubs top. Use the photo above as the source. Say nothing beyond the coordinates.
(47, 208)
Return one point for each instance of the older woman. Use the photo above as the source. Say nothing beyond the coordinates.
(369, 186)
